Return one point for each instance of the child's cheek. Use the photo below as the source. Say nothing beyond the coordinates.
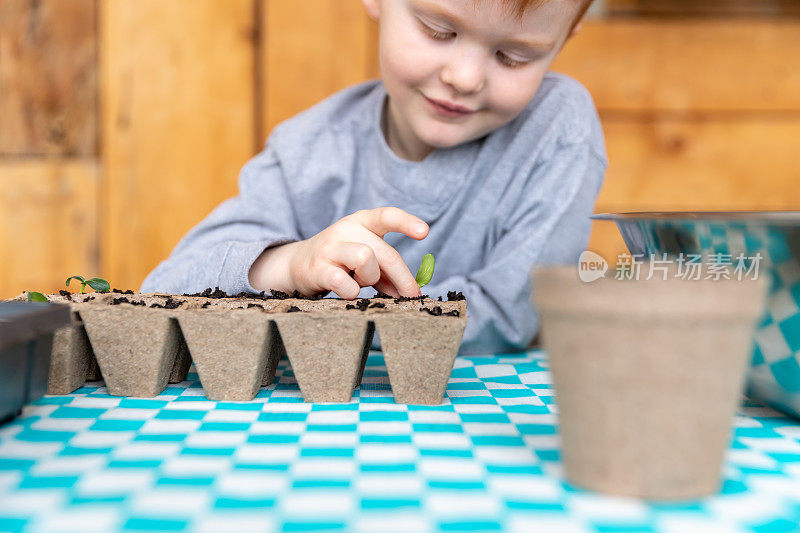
(405, 58)
(401, 67)
(510, 95)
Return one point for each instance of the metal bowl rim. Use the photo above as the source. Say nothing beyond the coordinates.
(782, 217)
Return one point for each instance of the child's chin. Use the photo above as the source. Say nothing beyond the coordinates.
(446, 141)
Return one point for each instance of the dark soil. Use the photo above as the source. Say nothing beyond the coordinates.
(362, 305)
(169, 304)
(279, 295)
(208, 293)
(172, 304)
(217, 293)
(276, 295)
(122, 292)
(65, 294)
(410, 298)
(123, 300)
(437, 311)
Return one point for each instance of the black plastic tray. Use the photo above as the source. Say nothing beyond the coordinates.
(26, 341)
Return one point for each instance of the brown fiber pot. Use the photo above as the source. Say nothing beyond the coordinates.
(647, 376)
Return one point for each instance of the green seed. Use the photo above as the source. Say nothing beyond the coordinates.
(425, 272)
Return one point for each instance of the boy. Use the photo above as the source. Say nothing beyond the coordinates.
(480, 156)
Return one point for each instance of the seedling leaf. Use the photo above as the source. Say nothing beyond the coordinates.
(99, 284)
(79, 278)
(34, 296)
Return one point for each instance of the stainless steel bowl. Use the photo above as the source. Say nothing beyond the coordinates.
(774, 377)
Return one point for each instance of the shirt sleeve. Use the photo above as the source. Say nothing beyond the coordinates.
(553, 229)
(219, 251)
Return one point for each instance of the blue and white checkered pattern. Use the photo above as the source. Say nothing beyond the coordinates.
(775, 373)
(487, 459)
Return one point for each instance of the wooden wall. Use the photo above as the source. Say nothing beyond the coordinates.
(698, 113)
(121, 128)
(178, 121)
(49, 171)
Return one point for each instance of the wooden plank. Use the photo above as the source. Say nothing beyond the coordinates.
(665, 164)
(687, 65)
(311, 50)
(48, 88)
(178, 121)
(715, 8)
(745, 162)
(48, 227)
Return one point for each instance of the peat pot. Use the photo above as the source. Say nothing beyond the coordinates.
(648, 375)
(769, 241)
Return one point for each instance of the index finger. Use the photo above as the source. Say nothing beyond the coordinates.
(383, 220)
(395, 269)
(390, 263)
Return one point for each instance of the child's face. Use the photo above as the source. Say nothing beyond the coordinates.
(457, 69)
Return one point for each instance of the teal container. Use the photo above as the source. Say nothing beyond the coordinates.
(757, 243)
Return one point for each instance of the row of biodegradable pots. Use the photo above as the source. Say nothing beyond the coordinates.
(139, 349)
(648, 375)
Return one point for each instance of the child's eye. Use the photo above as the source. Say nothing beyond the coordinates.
(508, 60)
(439, 35)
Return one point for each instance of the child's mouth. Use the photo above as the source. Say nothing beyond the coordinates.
(447, 109)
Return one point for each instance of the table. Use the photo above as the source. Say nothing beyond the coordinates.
(487, 459)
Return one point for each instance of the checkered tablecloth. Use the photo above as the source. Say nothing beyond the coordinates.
(487, 459)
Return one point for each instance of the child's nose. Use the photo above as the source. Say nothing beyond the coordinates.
(465, 72)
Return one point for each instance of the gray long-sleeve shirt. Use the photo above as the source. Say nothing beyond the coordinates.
(520, 196)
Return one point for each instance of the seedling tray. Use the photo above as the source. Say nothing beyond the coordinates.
(140, 342)
(26, 338)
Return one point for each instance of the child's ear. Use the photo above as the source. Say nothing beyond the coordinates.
(373, 8)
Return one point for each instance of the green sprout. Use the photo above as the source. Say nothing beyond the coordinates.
(98, 284)
(425, 272)
(34, 296)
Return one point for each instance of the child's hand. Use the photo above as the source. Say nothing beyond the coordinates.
(353, 243)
